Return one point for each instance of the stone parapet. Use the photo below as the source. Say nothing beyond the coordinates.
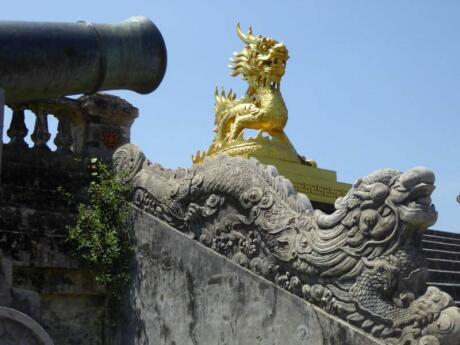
(184, 293)
(92, 125)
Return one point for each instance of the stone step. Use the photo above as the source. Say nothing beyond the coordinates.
(444, 276)
(443, 264)
(442, 233)
(441, 254)
(442, 239)
(451, 247)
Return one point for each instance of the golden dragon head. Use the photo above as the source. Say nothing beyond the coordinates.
(262, 62)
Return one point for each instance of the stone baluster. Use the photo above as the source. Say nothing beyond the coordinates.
(41, 134)
(18, 130)
(63, 140)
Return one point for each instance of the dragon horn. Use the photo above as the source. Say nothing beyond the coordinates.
(249, 38)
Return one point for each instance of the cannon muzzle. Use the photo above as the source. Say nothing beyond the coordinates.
(47, 60)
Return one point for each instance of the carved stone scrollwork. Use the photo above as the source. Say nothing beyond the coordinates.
(362, 263)
(129, 160)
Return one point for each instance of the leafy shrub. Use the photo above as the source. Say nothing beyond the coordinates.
(99, 236)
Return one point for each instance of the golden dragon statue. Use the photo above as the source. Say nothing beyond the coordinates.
(261, 63)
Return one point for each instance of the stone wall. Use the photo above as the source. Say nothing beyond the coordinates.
(184, 293)
(46, 283)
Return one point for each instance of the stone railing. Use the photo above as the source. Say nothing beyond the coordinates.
(18, 131)
(90, 126)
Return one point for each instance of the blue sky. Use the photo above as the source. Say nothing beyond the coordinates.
(369, 85)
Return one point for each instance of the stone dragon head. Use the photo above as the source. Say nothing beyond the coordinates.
(389, 199)
(382, 209)
(262, 62)
(382, 212)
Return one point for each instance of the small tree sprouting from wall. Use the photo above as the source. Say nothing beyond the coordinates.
(99, 236)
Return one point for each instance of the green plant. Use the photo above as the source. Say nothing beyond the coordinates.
(99, 236)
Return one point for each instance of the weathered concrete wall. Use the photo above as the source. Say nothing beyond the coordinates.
(184, 293)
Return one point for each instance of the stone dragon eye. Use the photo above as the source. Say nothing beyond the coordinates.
(368, 220)
(255, 195)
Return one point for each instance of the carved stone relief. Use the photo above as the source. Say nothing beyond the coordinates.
(362, 263)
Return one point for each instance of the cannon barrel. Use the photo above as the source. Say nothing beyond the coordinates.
(46, 60)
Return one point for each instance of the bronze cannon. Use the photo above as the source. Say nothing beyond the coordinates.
(46, 60)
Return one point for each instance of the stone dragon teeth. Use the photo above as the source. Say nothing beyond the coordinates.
(362, 263)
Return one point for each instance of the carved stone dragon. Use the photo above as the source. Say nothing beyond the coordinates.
(362, 263)
(261, 63)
